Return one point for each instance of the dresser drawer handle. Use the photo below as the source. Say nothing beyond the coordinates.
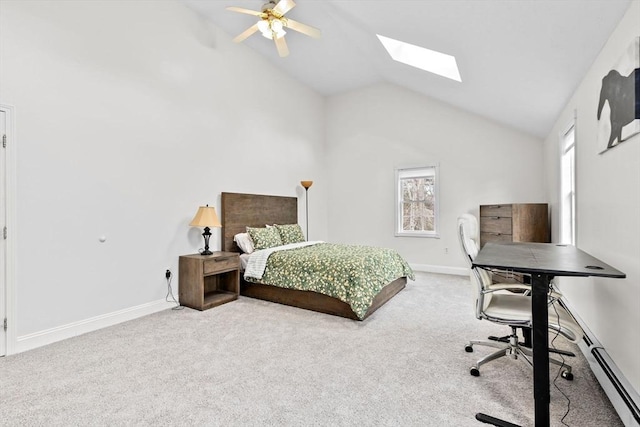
(495, 217)
(221, 259)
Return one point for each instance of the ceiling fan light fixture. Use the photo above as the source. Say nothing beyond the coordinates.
(264, 28)
(271, 28)
(277, 26)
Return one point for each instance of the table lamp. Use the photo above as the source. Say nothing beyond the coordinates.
(206, 217)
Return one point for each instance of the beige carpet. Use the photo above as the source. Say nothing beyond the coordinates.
(251, 363)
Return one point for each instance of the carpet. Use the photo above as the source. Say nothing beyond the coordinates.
(254, 363)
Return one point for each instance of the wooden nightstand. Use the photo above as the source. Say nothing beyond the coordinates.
(208, 280)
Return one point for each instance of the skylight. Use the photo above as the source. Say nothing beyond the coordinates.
(428, 60)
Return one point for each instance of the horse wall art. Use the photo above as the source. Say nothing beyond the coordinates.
(619, 104)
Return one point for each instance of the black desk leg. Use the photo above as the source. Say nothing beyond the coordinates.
(540, 312)
(488, 419)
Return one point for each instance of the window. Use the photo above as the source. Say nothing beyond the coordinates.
(417, 201)
(568, 186)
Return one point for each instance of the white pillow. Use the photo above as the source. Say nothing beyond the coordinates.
(244, 242)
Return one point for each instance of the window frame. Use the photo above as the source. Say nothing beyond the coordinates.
(434, 170)
(567, 209)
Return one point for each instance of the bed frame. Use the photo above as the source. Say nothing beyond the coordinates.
(253, 210)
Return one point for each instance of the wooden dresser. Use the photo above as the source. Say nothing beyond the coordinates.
(521, 222)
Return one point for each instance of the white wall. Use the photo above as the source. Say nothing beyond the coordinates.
(608, 211)
(374, 130)
(129, 115)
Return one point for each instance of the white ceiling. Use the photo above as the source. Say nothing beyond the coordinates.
(520, 60)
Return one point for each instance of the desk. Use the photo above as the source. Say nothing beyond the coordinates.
(542, 261)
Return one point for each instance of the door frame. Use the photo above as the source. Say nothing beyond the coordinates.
(10, 207)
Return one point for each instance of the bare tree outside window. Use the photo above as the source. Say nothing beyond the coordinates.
(417, 204)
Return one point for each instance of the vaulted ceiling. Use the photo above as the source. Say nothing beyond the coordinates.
(520, 60)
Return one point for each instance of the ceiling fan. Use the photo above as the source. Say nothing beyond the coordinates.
(272, 24)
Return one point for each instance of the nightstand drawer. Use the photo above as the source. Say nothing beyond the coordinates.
(217, 264)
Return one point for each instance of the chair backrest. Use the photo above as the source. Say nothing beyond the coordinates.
(480, 279)
(468, 236)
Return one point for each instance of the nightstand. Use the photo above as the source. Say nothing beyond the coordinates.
(207, 281)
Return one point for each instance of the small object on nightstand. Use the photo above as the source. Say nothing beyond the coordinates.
(209, 281)
(206, 217)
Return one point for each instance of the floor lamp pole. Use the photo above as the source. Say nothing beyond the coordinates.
(306, 185)
(306, 198)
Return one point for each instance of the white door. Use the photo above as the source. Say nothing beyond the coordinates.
(3, 223)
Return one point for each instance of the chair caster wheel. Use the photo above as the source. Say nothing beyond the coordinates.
(567, 375)
(468, 349)
(475, 372)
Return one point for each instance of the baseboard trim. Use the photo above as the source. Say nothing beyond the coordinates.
(59, 333)
(440, 269)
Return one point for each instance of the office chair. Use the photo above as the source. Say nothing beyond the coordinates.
(469, 241)
(512, 309)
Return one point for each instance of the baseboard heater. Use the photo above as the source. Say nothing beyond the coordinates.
(618, 389)
(622, 395)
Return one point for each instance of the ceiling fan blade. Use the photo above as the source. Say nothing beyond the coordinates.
(247, 11)
(302, 28)
(283, 7)
(246, 33)
(281, 45)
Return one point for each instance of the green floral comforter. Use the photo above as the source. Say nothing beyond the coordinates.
(353, 274)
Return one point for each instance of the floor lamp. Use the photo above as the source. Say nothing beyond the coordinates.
(306, 185)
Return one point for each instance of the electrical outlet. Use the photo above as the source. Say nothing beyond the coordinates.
(446, 250)
(167, 274)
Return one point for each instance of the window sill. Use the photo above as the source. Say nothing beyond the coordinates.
(427, 235)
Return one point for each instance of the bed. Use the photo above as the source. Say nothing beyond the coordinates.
(239, 211)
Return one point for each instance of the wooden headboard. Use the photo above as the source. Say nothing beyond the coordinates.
(253, 210)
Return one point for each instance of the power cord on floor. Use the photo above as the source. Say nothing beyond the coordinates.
(560, 368)
(169, 276)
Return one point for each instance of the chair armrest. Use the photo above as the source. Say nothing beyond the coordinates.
(518, 287)
(507, 287)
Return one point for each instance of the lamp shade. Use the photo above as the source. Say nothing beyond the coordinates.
(306, 184)
(205, 217)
